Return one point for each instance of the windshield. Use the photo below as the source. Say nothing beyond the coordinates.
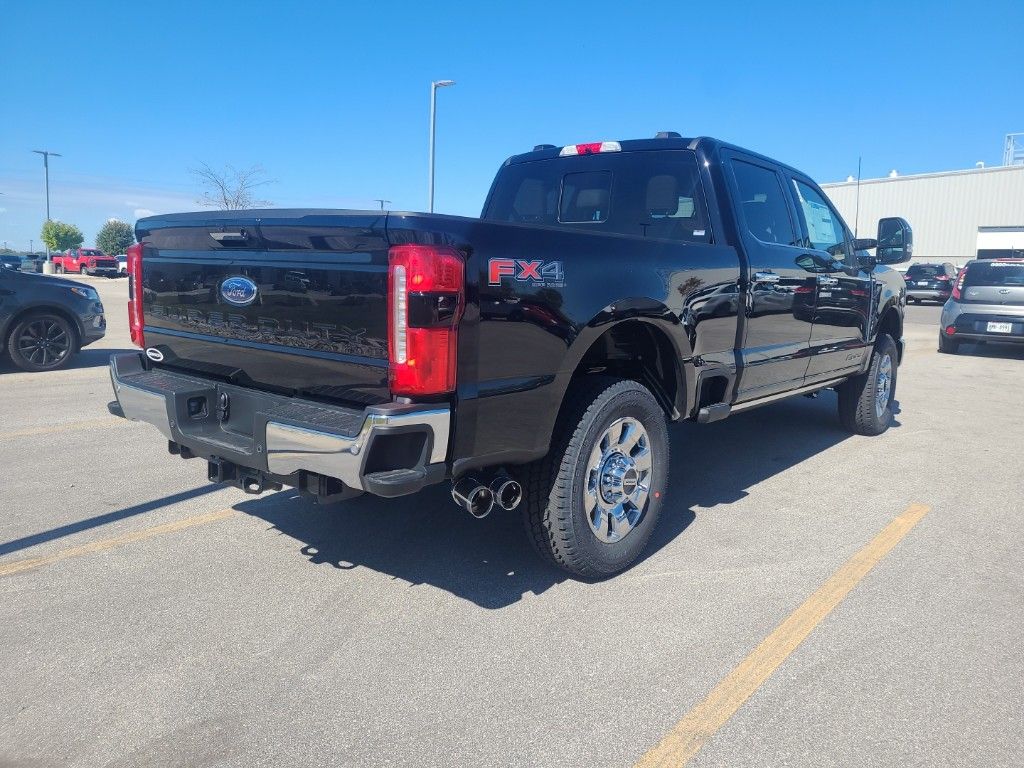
(995, 273)
(648, 194)
(925, 270)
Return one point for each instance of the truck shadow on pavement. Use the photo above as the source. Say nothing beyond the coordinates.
(87, 358)
(426, 540)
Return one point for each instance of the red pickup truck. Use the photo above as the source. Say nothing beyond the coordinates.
(85, 261)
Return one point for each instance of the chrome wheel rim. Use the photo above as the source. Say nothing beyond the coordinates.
(44, 343)
(618, 480)
(883, 386)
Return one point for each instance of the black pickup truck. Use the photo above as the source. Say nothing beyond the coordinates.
(532, 356)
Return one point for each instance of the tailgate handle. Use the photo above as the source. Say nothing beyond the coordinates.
(229, 237)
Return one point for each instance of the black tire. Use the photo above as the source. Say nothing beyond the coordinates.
(58, 269)
(57, 335)
(948, 346)
(556, 519)
(861, 409)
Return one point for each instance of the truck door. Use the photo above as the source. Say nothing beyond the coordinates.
(779, 295)
(842, 295)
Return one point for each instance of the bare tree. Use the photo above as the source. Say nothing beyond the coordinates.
(231, 189)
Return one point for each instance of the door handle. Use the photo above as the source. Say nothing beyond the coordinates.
(766, 277)
(826, 280)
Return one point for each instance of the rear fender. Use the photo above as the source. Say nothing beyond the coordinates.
(659, 318)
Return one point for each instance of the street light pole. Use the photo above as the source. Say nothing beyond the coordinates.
(46, 172)
(433, 110)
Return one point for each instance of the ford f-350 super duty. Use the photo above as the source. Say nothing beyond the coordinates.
(531, 357)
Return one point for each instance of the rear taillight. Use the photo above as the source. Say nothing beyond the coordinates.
(426, 296)
(958, 284)
(135, 323)
(943, 278)
(950, 330)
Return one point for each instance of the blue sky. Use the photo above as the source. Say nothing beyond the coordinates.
(332, 98)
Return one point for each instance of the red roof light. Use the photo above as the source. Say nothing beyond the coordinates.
(591, 148)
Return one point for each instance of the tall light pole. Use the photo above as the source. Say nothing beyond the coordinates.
(433, 109)
(46, 172)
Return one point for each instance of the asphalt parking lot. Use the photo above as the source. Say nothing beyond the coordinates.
(149, 618)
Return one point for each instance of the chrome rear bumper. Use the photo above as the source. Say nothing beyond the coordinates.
(281, 435)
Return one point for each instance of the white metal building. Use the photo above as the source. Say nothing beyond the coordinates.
(946, 210)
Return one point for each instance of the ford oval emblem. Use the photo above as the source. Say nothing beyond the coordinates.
(240, 291)
(155, 355)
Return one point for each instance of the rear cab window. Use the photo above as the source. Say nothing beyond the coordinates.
(655, 194)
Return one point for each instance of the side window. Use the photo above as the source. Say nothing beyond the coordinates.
(825, 229)
(764, 205)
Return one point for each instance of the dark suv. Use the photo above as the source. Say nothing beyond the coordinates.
(44, 320)
(930, 282)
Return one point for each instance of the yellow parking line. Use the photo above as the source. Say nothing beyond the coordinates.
(110, 421)
(703, 721)
(127, 538)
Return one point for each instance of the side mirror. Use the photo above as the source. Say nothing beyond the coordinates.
(864, 244)
(895, 241)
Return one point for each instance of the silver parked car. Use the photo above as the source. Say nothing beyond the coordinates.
(987, 304)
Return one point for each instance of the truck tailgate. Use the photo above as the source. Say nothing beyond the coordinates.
(288, 301)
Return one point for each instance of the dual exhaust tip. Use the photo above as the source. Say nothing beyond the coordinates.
(479, 499)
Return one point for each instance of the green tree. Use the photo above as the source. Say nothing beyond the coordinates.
(59, 236)
(114, 237)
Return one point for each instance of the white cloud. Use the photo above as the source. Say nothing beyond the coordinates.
(85, 201)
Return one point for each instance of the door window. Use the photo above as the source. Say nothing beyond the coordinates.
(825, 229)
(764, 205)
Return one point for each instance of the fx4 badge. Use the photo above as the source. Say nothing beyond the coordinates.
(539, 273)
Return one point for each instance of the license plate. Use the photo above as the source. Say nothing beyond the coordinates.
(1000, 327)
(923, 282)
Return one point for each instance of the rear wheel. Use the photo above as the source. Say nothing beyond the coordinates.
(41, 342)
(947, 345)
(594, 500)
(866, 401)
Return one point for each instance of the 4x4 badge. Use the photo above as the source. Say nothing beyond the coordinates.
(539, 273)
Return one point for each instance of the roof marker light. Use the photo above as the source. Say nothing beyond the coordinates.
(592, 148)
